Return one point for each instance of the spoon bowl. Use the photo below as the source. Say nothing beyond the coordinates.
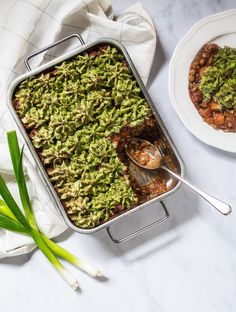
(143, 153)
(146, 155)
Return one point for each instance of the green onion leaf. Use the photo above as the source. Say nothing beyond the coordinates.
(17, 161)
(14, 151)
(9, 200)
(6, 210)
(11, 225)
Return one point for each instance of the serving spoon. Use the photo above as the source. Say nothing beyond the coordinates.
(148, 156)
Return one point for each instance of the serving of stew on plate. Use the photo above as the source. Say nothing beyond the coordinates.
(212, 86)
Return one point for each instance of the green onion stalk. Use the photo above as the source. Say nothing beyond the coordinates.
(13, 219)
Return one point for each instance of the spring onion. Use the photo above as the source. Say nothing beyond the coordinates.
(13, 219)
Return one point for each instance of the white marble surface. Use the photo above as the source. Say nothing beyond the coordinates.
(188, 263)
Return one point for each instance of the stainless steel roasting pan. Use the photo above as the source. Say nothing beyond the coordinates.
(174, 185)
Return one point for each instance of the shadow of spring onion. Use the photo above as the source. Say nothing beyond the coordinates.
(13, 219)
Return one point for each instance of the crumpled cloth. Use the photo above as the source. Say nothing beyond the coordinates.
(28, 25)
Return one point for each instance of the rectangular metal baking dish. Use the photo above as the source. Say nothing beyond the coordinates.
(84, 48)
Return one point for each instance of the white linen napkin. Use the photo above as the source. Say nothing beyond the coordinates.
(28, 25)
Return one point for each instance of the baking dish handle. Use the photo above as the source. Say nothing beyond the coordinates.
(140, 231)
(51, 46)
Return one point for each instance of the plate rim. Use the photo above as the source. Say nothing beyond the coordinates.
(190, 33)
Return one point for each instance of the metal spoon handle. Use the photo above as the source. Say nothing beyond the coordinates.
(216, 203)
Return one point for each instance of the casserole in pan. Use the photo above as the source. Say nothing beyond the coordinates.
(76, 114)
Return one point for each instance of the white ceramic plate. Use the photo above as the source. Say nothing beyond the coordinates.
(221, 29)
